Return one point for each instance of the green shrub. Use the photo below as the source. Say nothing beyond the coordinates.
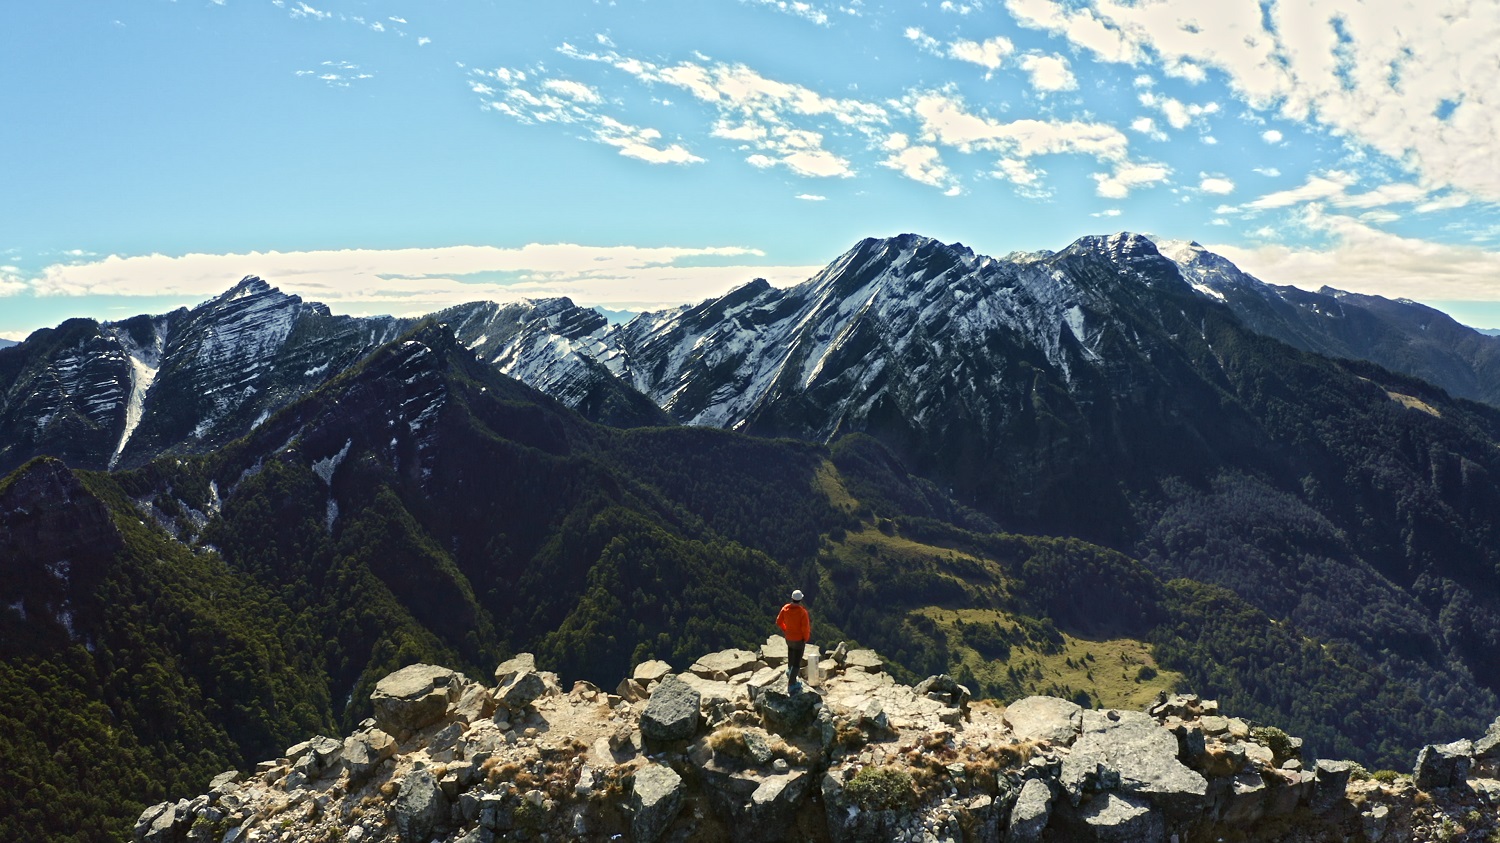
(881, 788)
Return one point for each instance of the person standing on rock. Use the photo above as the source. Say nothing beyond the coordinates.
(796, 625)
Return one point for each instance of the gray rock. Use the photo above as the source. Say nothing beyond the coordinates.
(1130, 752)
(727, 662)
(773, 652)
(1488, 747)
(784, 711)
(362, 753)
(1443, 765)
(1331, 782)
(475, 703)
(631, 690)
(1029, 816)
(223, 779)
(1113, 818)
(157, 824)
(510, 668)
(420, 806)
(672, 713)
(414, 697)
(1246, 802)
(650, 671)
(772, 805)
(1048, 719)
(655, 799)
(520, 690)
(867, 660)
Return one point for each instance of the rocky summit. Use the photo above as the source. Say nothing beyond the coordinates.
(728, 750)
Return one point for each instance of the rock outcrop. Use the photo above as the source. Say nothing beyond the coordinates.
(728, 751)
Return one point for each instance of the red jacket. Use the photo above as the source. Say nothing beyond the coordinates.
(794, 622)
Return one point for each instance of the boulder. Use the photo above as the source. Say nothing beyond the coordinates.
(415, 696)
(520, 689)
(1029, 816)
(672, 714)
(631, 690)
(867, 660)
(510, 668)
(783, 710)
(158, 824)
(1488, 747)
(1444, 765)
(724, 664)
(655, 799)
(1330, 783)
(1130, 752)
(1050, 719)
(475, 703)
(1246, 800)
(773, 652)
(420, 806)
(946, 690)
(1116, 818)
(361, 754)
(650, 671)
(758, 808)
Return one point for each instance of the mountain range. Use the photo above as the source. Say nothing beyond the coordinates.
(224, 523)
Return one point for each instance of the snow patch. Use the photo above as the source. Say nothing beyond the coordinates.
(333, 514)
(325, 467)
(315, 371)
(19, 607)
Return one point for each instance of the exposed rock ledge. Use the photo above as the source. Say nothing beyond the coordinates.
(726, 751)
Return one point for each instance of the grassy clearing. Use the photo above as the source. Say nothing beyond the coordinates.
(1033, 658)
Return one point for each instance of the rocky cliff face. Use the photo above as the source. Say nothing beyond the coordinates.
(727, 750)
(119, 394)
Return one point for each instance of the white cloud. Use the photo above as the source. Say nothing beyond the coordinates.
(1409, 81)
(640, 143)
(1316, 187)
(988, 53)
(575, 91)
(1048, 72)
(1268, 172)
(423, 41)
(412, 281)
(1108, 212)
(761, 112)
(1333, 188)
(806, 11)
(1271, 136)
(1216, 185)
(572, 103)
(1446, 203)
(1147, 126)
(812, 197)
(1179, 115)
(1118, 184)
(1369, 260)
(961, 8)
(918, 162)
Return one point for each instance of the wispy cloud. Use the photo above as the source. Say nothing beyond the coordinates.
(806, 11)
(1397, 78)
(777, 123)
(567, 102)
(1366, 259)
(407, 281)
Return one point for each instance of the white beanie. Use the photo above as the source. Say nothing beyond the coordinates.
(797, 595)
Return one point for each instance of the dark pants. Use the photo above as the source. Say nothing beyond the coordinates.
(794, 657)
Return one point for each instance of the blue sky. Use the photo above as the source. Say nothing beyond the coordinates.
(396, 157)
